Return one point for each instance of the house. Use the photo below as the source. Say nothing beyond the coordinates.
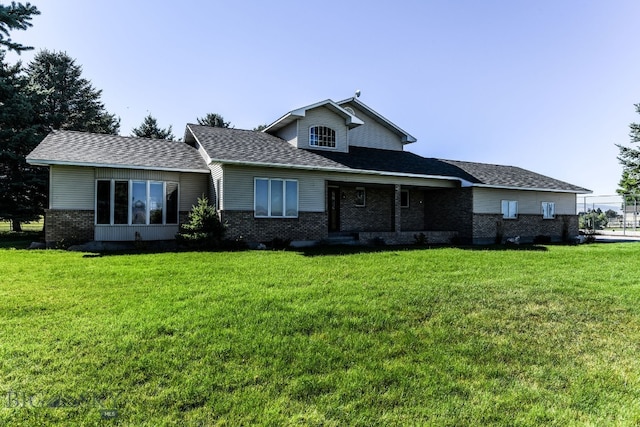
(327, 169)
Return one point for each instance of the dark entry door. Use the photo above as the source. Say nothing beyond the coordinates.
(333, 205)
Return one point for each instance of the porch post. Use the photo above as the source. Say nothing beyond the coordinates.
(397, 211)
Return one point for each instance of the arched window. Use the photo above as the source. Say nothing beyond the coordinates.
(322, 136)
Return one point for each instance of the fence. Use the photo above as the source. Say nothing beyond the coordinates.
(627, 210)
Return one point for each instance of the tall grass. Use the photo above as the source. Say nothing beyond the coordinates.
(549, 335)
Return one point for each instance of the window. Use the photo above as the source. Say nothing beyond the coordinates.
(548, 210)
(322, 136)
(275, 198)
(404, 198)
(509, 209)
(361, 197)
(151, 202)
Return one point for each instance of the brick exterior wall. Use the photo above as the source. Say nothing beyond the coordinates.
(489, 228)
(242, 224)
(377, 214)
(450, 210)
(72, 225)
(413, 216)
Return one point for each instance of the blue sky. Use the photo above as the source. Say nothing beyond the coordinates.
(549, 86)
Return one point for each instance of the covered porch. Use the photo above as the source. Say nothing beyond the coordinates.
(397, 213)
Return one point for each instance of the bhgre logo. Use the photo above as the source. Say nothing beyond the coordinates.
(21, 399)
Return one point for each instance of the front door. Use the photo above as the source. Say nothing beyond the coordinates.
(333, 206)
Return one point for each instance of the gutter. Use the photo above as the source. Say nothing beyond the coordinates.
(463, 182)
(506, 187)
(39, 162)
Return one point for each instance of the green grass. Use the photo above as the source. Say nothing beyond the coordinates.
(546, 336)
(31, 232)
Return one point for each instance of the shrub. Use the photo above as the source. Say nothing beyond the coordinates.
(279, 243)
(420, 239)
(203, 228)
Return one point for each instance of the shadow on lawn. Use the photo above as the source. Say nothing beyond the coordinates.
(324, 250)
(19, 239)
(354, 250)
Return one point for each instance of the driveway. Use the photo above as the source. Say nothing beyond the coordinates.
(617, 236)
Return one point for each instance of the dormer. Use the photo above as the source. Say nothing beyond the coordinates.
(377, 131)
(321, 126)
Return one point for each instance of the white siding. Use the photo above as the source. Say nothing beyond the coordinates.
(108, 173)
(116, 233)
(217, 176)
(322, 116)
(289, 133)
(372, 134)
(192, 186)
(72, 187)
(238, 185)
(488, 201)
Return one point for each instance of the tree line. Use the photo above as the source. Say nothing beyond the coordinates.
(49, 93)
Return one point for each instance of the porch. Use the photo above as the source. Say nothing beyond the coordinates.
(395, 213)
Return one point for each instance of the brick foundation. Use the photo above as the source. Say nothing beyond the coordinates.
(491, 228)
(242, 224)
(70, 225)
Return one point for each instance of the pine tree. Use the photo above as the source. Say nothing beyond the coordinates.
(214, 120)
(23, 187)
(203, 228)
(629, 157)
(66, 100)
(15, 17)
(149, 128)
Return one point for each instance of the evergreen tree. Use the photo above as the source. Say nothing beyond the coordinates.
(15, 17)
(260, 128)
(629, 157)
(203, 228)
(150, 129)
(214, 120)
(65, 99)
(23, 187)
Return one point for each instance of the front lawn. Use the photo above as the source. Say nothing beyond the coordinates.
(542, 335)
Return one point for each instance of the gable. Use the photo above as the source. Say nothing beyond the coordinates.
(322, 117)
(372, 134)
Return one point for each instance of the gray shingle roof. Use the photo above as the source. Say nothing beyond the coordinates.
(243, 146)
(246, 146)
(81, 148)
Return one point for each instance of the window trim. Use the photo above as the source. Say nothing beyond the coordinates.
(357, 202)
(544, 206)
(407, 205)
(147, 182)
(508, 214)
(284, 182)
(331, 144)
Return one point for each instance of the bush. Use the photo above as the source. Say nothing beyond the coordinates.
(420, 239)
(203, 228)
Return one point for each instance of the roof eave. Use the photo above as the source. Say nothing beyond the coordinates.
(462, 182)
(43, 162)
(350, 120)
(554, 190)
